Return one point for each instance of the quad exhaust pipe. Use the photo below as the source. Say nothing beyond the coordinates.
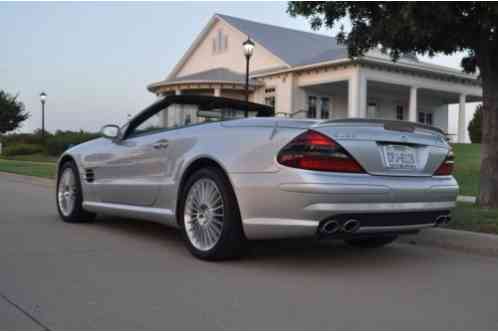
(443, 220)
(332, 226)
(351, 226)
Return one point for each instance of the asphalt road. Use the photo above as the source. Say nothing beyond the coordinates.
(123, 274)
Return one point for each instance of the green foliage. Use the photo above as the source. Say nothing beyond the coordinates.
(53, 144)
(12, 112)
(22, 139)
(62, 140)
(475, 126)
(22, 149)
(404, 28)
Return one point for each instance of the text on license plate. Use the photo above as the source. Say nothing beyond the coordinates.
(399, 156)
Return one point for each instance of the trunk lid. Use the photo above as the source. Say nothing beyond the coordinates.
(392, 148)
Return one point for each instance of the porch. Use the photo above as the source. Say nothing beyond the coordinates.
(367, 93)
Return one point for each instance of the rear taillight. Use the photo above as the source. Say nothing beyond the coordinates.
(314, 151)
(446, 168)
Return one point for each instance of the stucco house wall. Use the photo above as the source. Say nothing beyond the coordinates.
(204, 58)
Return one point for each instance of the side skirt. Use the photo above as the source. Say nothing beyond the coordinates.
(163, 216)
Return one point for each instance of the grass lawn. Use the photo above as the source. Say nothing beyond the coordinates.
(467, 166)
(472, 218)
(44, 169)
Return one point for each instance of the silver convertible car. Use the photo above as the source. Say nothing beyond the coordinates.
(225, 171)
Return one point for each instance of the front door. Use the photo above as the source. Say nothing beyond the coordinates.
(134, 175)
(136, 167)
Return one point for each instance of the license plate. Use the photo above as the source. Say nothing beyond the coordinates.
(399, 157)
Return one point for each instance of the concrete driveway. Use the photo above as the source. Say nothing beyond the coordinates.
(123, 274)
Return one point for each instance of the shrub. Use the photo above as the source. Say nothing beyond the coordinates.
(62, 140)
(22, 149)
(23, 138)
(475, 126)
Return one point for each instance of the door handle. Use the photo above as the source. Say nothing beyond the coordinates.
(161, 144)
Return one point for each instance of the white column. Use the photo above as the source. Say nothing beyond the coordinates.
(217, 92)
(178, 118)
(412, 108)
(362, 110)
(357, 95)
(462, 120)
(353, 89)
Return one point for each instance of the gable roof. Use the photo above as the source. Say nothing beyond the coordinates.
(296, 48)
(282, 42)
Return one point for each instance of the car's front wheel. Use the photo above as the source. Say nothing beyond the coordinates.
(372, 242)
(210, 217)
(69, 195)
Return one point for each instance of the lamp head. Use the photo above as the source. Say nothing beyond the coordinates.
(248, 47)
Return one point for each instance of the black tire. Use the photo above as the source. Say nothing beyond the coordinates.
(77, 214)
(372, 242)
(232, 242)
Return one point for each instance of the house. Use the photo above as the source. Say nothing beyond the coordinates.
(309, 75)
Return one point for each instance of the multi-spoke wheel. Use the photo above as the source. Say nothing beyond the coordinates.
(210, 217)
(66, 192)
(69, 195)
(204, 213)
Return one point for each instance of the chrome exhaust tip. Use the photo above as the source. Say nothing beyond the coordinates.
(443, 219)
(329, 227)
(351, 226)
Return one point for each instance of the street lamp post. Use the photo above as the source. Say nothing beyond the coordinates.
(248, 51)
(43, 96)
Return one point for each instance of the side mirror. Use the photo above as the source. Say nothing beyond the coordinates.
(110, 131)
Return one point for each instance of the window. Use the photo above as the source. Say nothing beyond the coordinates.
(425, 118)
(400, 114)
(311, 107)
(372, 110)
(325, 108)
(270, 97)
(150, 125)
(428, 119)
(220, 42)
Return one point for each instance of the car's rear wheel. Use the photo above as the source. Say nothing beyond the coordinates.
(69, 195)
(210, 217)
(372, 242)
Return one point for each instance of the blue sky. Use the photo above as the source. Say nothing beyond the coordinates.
(94, 60)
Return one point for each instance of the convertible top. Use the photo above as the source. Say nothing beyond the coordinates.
(211, 102)
(205, 103)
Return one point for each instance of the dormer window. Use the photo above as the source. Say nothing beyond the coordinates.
(220, 42)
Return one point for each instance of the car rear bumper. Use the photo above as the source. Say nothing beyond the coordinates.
(293, 203)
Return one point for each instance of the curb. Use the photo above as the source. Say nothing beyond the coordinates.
(467, 199)
(470, 242)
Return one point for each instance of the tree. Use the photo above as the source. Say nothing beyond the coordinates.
(475, 126)
(12, 112)
(427, 28)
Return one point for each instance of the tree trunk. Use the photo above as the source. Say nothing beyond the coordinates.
(488, 196)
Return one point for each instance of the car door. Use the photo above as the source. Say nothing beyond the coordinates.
(136, 170)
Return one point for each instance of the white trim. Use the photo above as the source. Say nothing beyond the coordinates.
(454, 74)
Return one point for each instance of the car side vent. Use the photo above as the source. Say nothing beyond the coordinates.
(89, 175)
